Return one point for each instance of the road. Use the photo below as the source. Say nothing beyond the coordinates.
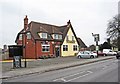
(103, 71)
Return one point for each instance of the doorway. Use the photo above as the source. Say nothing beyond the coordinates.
(57, 51)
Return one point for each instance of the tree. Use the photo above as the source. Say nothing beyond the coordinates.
(105, 45)
(113, 30)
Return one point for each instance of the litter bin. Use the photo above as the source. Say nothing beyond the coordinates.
(16, 51)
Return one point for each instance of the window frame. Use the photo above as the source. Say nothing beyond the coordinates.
(67, 38)
(73, 38)
(60, 36)
(42, 35)
(28, 35)
(20, 36)
(65, 47)
(75, 47)
(45, 48)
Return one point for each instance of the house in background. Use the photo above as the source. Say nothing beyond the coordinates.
(41, 39)
(82, 45)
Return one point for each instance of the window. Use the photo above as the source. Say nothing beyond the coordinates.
(60, 36)
(74, 47)
(67, 38)
(72, 38)
(28, 35)
(56, 36)
(44, 35)
(20, 37)
(65, 47)
(45, 48)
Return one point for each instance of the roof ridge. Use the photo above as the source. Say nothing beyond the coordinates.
(45, 24)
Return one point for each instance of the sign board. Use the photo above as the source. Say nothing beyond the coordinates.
(96, 37)
(17, 61)
(97, 48)
(16, 51)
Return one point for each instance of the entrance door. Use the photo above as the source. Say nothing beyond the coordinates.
(57, 51)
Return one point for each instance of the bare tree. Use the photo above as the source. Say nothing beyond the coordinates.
(113, 30)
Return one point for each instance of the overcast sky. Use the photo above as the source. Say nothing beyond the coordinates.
(86, 16)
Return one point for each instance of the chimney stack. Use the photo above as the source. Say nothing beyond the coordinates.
(25, 22)
(69, 22)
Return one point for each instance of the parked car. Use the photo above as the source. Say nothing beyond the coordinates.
(109, 52)
(100, 53)
(118, 55)
(86, 54)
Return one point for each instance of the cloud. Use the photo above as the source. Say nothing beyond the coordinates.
(87, 16)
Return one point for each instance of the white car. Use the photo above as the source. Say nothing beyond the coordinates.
(109, 52)
(86, 54)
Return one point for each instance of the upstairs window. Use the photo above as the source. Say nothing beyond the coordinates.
(20, 37)
(67, 38)
(57, 36)
(60, 36)
(72, 38)
(44, 35)
(28, 35)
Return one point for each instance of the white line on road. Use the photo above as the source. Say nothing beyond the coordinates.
(80, 76)
(63, 78)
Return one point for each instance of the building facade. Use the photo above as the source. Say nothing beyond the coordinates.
(41, 39)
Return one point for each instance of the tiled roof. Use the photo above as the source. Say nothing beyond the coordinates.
(36, 27)
(81, 43)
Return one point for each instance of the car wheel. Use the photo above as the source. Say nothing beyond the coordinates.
(97, 56)
(104, 55)
(79, 56)
(91, 56)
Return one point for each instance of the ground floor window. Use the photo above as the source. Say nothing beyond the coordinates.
(65, 47)
(74, 47)
(45, 48)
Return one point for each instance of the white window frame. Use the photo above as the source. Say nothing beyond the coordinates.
(28, 35)
(44, 35)
(65, 47)
(73, 38)
(46, 48)
(75, 47)
(60, 36)
(20, 37)
(67, 38)
(56, 36)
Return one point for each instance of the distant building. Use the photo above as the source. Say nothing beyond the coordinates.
(5, 49)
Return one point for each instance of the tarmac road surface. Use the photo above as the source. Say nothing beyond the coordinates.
(103, 71)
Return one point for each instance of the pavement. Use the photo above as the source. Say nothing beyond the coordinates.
(46, 65)
(5, 61)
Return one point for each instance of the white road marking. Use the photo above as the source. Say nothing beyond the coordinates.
(68, 76)
(80, 76)
(63, 78)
